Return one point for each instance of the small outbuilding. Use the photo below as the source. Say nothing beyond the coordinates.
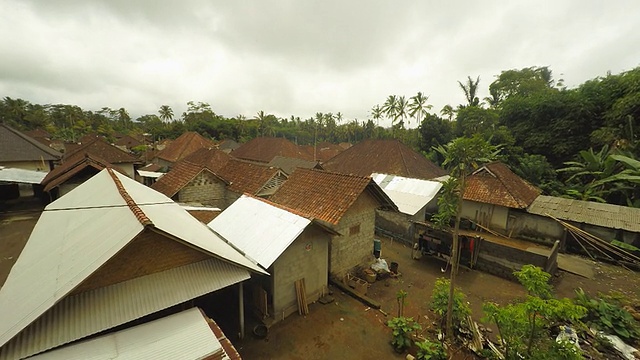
(290, 245)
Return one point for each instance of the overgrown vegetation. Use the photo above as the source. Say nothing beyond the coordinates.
(608, 315)
(401, 330)
(430, 350)
(524, 326)
(440, 300)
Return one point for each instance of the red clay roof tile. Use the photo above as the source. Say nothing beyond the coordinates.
(495, 184)
(183, 146)
(264, 149)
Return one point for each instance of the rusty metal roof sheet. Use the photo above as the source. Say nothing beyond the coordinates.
(587, 212)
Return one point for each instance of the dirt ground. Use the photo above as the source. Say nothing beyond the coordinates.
(348, 329)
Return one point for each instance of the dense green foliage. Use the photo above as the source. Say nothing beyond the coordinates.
(541, 125)
(401, 330)
(608, 315)
(440, 299)
(430, 350)
(524, 326)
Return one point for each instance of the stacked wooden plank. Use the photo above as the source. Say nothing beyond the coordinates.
(301, 295)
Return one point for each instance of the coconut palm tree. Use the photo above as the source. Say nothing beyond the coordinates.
(390, 108)
(470, 89)
(448, 111)
(166, 113)
(402, 105)
(376, 113)
(418, 106)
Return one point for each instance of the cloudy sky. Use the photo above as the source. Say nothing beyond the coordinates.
(298, 57)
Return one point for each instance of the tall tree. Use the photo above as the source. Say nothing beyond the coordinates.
(377, 113)
(390, 108)
(418, 106)
(166, 113)
(448, 111)
(470, 89)
(402, 106)
(461, 156)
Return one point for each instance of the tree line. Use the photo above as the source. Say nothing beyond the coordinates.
(579, 142)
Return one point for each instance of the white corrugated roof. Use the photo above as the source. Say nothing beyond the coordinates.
(79, 232)
(21, 175)
(410, 195)
(262, 231)
(91, 312)
(150, 174)
(185, 335)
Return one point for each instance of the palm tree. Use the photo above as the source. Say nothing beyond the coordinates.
(390, 108)
(448, 111)
(123, 116)
(418, 107)
(494, 99)
(376, 113)
(402, 105)
(262, 122)
(166, 113)
(470, 89)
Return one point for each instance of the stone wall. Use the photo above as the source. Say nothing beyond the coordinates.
(355, 246)
(205, 189)
(397, 223)
(307, 257)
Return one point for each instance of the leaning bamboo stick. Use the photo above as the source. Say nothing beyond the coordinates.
(583, 247)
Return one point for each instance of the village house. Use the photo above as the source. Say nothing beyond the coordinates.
(180, 148)
(289, 245)
(75, 170)
(346, 203)
(121, 160)
(415, 199)
(264, 149)
(493, 196)
(323, 151)
(252, 178)
(189, 335)
(150, 256)
(20, 151)
(384, 157)
(606, 221)
(288, 165)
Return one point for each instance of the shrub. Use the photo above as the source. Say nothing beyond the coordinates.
(608, 315)
(440, 300)
(428, 350)
(401, 328)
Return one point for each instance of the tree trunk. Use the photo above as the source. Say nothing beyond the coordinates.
(455, 248)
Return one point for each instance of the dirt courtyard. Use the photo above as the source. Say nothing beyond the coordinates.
(348, 329)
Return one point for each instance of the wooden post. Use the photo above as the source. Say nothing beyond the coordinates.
(241, 302)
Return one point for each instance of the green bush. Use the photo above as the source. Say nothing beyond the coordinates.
(440, 300)
(401, 328)
(608, 315)
(428, 350)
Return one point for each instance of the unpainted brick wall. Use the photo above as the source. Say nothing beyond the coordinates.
(205, 189)
(307, 257)
(349, 251)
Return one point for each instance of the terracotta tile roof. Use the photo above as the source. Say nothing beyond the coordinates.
(386, 157)
(495, 184)
(204, 216)
(179, 176)
(228, 144)
(128, 141)
(38, 133)
(184, 145)
(324, 151)
(264, 149)
(213, 159)
(289, 164)
(247, 177)
(325, 195)
(151, 167)
(72, 166)
(16, 146)
(103, 150)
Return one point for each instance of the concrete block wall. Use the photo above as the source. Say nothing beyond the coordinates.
(205, 189)
(307, 257)
(349, 251)
(501, 260)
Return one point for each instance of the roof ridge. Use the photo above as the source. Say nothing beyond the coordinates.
(135, 209)
(338, 173)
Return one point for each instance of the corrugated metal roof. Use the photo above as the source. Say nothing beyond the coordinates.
(185, 335)
(262, 231)
(81, 231)
(91, 312)
(410, 195)
(21, 175)
(150, 174)
(587, 212)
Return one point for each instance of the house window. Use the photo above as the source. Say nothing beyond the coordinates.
(354, 229)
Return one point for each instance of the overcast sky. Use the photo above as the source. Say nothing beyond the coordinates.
(298, 57)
